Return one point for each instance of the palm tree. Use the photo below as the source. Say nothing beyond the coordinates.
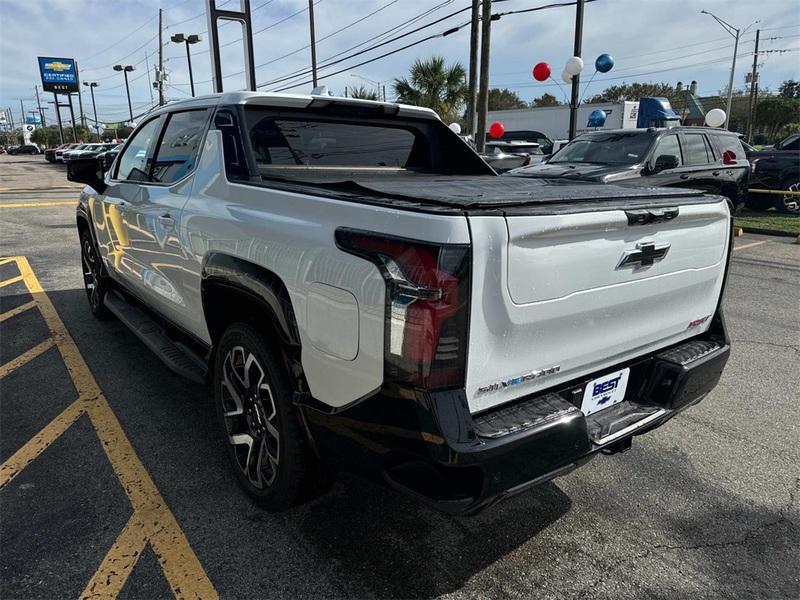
(364, 93)
(433, 84)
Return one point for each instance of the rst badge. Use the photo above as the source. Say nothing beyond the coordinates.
(604, 392)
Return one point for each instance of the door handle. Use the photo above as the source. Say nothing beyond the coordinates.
(684, 176)
(166, 220)
(715, 173)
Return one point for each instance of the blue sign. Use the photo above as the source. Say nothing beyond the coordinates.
(59, 75)
(33, 120)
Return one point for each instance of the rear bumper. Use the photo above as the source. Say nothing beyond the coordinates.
(430, 447)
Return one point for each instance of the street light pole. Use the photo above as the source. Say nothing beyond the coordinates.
(576, 79)
(313, 43)
(188, 39)
(92, 85)
(125, 70)
(736, 34)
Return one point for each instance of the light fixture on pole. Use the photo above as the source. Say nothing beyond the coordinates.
(736, 34)
(125, 70)
(92, 85)
(188, 39)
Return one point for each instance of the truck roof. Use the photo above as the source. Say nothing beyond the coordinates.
(279, 100)
(699, 128)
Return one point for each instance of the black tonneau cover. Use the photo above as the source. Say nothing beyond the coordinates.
(483, 192)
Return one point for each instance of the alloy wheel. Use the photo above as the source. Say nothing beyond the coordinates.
(791, 202)
(249, 412)
(91, 273)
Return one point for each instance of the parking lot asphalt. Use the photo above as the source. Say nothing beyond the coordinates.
(113, 479)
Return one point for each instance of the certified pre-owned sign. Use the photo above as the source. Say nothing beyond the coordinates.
(59, 75)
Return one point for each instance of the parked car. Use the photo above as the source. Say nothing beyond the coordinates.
(528, 135)
(504, 156)
(776, 168)
(107, 156)
(25, 149)
(50, 153)
(59, 154)
(712, 160)
(362, 290)
(83, 151)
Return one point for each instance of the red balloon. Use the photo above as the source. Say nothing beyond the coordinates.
(541, 71)
(497, 129)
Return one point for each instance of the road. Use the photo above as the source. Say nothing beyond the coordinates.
(130, 493)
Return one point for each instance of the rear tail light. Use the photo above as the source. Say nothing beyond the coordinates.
(427, 306)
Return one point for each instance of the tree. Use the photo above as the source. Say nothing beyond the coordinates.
(434, 85)
(789, 89)
(505, 100)
(364, 93)
(635, 91)
(545, 100)
(775, 113)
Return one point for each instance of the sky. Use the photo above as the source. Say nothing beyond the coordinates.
(651, 41)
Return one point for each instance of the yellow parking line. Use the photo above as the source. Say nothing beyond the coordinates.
(25, 358)
(39, 204)
(6, 282)
(151, 522)
(16, 311)
(750, 245)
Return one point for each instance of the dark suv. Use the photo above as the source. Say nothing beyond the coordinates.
(776, 168)
(712, 160)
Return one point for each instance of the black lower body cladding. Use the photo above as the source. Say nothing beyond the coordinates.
(429, 446)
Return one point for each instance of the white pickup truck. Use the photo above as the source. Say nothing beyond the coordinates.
(363, 291)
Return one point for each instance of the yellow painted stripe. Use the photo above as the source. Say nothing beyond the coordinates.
(16, 311)
(24, 358)
(750, 245)
(151, 515)
(6, 282)
(29, 190)
(39, 204)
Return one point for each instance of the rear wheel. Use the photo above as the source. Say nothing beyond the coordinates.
(790, 203)
(94, 282)
(259, 423)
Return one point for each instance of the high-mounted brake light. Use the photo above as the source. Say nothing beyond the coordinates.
(427, 306)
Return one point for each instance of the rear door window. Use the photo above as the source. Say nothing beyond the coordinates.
(696, 150)
(730, 147)
(177, 151)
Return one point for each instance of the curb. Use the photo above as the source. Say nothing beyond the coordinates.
(770, 232)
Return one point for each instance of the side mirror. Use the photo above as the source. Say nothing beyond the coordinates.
(664, 162)
(88, 171)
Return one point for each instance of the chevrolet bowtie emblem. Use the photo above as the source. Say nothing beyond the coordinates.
(645, 255)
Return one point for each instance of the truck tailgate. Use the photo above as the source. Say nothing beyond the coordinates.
(559, 296)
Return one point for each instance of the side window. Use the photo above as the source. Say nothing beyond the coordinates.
(668, 145)
(791, 144)
(177, 151)
(134, 163)
(696, 149)
(730, 147)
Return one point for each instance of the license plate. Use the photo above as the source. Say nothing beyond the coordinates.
(605, 391)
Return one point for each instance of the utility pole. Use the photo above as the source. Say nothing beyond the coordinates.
(753, 78)
(160, 58)
(72, 116)
(39, 106)
(58, 117)
(473, 66)
(313, 43)
(576, 79)
(80, 98)
(483, 92)
(22, 117)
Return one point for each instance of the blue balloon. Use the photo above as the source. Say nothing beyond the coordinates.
(604, 63)
(597, 118)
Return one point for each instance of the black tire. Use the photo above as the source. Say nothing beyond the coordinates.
(259, 424)
(94, 281)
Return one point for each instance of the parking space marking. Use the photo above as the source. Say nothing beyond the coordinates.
(39, 204)
(151, 521)
(17, 311)
(750, 245)
(24, 358)
(6, 282)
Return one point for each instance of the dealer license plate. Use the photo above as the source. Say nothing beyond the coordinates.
(605, 391)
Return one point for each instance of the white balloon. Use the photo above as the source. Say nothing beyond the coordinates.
(715, 117)
(455, 127)
(574, 65)
(567, 77)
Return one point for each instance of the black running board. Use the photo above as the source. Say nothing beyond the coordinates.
(176, 356)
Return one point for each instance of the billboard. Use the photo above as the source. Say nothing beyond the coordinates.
(33, 120)
(59, 75)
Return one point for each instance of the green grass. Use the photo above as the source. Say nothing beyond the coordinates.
(768, 220)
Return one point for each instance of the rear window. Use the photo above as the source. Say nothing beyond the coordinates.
(290, 142)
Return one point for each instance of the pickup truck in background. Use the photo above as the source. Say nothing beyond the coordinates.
(776, 168)
(363, 291)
